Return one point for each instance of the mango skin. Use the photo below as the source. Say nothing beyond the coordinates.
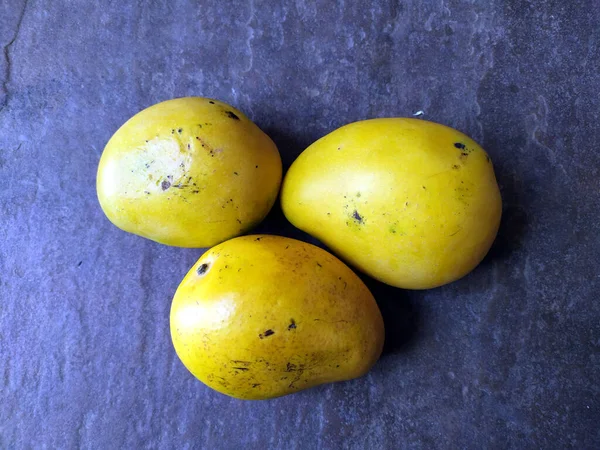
(411, 203)
(188, 172)
(263, 316)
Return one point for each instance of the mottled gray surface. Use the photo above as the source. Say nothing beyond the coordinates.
(508, 357)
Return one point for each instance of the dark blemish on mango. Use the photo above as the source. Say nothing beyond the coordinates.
(189, 148)
(180, 130)
(292, 325)
(172, 131)
(202, 269)
(241, 362)
(319, 265)
(146, 192)
(195, 192)
(267, 333)
(211, 102)
(258, 239)
(459, 145)
(239, 221)
(424, 187)
(464, 154)
(255, 385)
(455, 167)
(235, 173)
(328, 213)
(165, 185)
(257, 166)
(290, 367)
(287, 246)
(243, 369)
(356, 216)
(232, 115)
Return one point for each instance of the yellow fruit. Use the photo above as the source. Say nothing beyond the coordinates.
(412, 203)
(263, 316)
(190, 172)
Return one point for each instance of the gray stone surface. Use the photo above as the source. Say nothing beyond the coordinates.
(508, 357)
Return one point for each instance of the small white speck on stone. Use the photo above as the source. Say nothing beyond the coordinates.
(419, 113)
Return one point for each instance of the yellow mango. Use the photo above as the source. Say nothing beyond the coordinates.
(411, 203)
(262, 316)
(189, 172)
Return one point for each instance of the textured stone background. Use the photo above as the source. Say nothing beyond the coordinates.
(508, 357)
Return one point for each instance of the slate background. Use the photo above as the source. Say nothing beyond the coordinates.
(508, 357)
